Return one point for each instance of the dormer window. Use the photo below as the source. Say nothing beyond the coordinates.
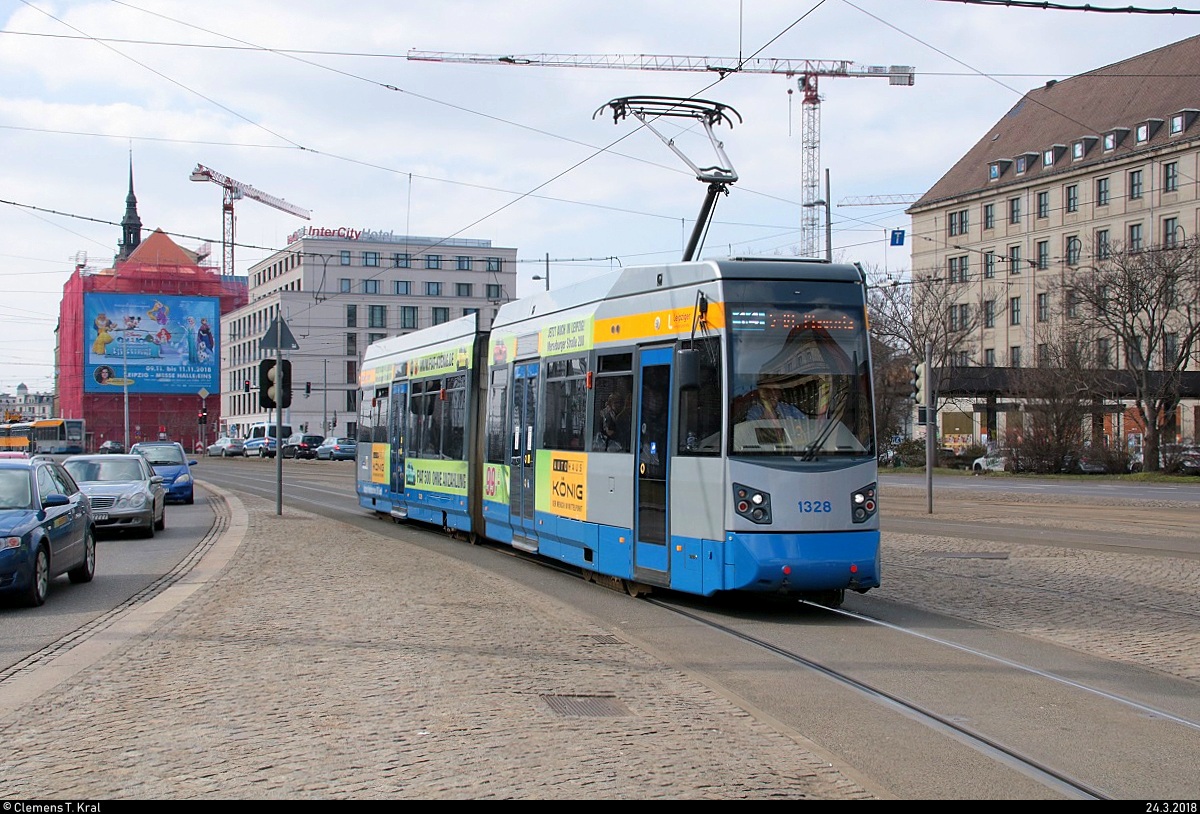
(1182, 120)
(1053, 154)
(997, 168)
(1047, 158)
(1146, 130)
(1114, 137)
(1081, 147)
(1025, 162)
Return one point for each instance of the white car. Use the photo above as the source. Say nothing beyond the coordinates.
(989, 463)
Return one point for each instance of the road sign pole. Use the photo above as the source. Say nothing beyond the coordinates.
(278, 426)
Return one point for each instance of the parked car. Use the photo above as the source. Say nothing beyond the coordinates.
(224, 447)
(111, 447)
(948, 458)
(124, 490)
(168, 459)
(46, 529)
(337, 449)
(260, 447)
(301, 445)
(13, 453)
(992, 462)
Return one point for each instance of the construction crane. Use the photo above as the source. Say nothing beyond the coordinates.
(235, 190)
(880, 200)
(808, 71)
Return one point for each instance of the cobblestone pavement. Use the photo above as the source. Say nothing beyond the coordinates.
(288, 665)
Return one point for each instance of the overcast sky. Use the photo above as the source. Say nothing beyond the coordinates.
(317, 104)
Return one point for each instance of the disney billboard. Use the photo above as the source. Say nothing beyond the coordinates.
(151, 343)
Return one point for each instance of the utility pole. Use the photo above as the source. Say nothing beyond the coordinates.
(930, 426)
(325, 402)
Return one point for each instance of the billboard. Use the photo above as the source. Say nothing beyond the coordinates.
(151, 343)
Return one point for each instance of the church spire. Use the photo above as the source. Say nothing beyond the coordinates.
(131, 224)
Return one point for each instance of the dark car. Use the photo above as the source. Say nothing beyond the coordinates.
(46, 529)
(111, 447)
(125, 493)
(301, 445)
(337, 449)
(169, 460)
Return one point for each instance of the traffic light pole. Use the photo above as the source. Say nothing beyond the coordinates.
(930, 425)
(278, 428)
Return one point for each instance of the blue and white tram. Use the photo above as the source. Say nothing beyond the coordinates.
(700, 426)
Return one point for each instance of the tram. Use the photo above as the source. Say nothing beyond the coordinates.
(58, 436)
(704, 427)
(16, 436)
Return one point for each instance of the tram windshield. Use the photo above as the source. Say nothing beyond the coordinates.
(801, 378)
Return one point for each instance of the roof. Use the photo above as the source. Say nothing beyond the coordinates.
(1153, 85)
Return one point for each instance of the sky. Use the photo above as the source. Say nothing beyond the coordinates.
(318, 104)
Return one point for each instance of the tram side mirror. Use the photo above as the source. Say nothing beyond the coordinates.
(687, 367)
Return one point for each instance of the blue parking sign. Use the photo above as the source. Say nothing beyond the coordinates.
(897, 237)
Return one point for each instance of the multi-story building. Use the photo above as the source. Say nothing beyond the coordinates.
(137, 343)
(1107, 158)
(338, 290)
(26, 406)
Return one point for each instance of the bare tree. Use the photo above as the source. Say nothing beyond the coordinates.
(907, 314)
(1144, 306)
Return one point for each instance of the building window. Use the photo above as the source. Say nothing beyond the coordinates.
(1021, 163)
(1043, 254)
(1135, 237)
(376, 316)
(463, 263)
(1101, 192)
(1103, 353)
(1135, 184)
(408, 317)
(1143, 133)
(1014, 210)
(1043, 204)
(1014, 311)
(370, 286)
(433, 288)
(1170, 351)
(402, 260)
(989, 216)
(344, 285)
(1176, 124)
(1072, 304)
(495, 264)
(1171, 177)
(1110, 142)
(964, 315)
(989, 265)
(1103, 249)
(433, 261)
(1074, 245)
(953, 318)
(351, 316)
(1047, 157)
(402, 287)
(1077, 151)
(370, 258)
(468, 311)
(1014, 356)
(1072, 196)
(989, 314)
(1170, 232)
(351, 378)
(351, 395)
(989, 358)
(957, 267)
(493, 291)
(372, 338)
(958, 222)
(352, 344)
(345, 256)
(1043, 307)
(1014, 259)
(440, 315)
(1043, 355)
(462, 289)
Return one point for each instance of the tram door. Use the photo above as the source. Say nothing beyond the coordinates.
(650, 558)
(395, 435)
(522, 484)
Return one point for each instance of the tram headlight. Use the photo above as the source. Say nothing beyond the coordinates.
(863, 504)
(752, 504)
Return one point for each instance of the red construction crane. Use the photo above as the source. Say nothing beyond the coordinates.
(808, 70)
(233, 191)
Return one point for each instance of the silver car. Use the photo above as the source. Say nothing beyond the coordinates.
(225, 447)
(124, 491)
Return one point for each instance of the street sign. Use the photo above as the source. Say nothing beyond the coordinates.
(203, 392)
(278, 337)
(897, 237)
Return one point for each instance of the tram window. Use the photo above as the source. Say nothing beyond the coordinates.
(700, 409)
(454, 418)
(375, 412)
(611, 422)
(497, 417)
(565, 413)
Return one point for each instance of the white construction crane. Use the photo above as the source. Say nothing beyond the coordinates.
(808, 70)
(233, 191)
(881, 200)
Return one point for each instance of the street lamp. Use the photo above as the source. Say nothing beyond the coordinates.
(828, 219)
(546, 278)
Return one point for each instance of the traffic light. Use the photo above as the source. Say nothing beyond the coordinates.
(201, 418)
(273, 382)
(308, 388)
(920, 382)
(246, 386)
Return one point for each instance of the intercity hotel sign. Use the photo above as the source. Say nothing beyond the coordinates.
(346, 233)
